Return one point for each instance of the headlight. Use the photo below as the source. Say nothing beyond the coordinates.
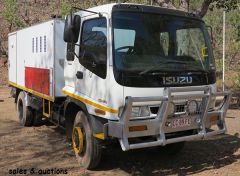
(142, 111)
(135, 112)
(192, 107)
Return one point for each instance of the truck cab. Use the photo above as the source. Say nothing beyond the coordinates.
(146, 74)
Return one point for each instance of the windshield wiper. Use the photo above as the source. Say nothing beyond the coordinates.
(162, 62)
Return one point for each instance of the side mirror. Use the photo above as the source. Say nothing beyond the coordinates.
(72, 28)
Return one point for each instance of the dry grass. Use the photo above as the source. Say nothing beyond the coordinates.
(3, 73)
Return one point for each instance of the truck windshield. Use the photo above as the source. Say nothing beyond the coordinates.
(146, 43)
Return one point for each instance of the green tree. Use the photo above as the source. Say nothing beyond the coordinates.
(233, 29)
(204, 5)
(10, 14)
(65, 7)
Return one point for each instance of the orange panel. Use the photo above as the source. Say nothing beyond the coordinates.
(37, 79)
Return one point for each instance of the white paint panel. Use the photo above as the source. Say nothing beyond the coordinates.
(59, 57)
(142, 92)
(12, 57)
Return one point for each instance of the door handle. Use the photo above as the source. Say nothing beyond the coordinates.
(79, 75)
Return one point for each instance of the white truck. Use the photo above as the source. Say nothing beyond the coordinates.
(140, 74)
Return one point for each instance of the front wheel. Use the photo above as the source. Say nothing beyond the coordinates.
(86, 147)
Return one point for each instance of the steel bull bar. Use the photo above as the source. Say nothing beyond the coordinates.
(156, 126)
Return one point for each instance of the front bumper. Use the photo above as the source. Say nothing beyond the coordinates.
(157, 127)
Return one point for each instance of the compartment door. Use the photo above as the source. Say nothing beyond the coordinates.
(12, 57)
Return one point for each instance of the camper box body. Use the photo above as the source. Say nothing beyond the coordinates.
(36, 59)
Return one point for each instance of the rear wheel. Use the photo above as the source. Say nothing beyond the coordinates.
(37, 119)
(87, 148)
(24, 113)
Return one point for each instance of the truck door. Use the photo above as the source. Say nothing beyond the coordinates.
(12, 57)
(93, 59)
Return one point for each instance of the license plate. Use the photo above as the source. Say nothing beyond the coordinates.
(181, 122)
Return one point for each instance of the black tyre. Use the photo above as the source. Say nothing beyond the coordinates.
(87, 148)
(173, 149)
(37, 118)
(24, 113)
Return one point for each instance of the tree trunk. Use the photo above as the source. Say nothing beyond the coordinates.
(184, 6)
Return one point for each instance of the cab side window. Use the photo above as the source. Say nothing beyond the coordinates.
(93, 46)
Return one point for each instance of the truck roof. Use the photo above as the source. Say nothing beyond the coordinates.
(108, 8)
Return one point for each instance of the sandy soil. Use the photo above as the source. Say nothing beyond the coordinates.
(45, 147)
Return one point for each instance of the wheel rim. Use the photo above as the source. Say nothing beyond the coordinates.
(20, 110)
(78, 140)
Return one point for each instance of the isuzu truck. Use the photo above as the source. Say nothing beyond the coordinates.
(137, 74)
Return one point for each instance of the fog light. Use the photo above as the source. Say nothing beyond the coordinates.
(192, 107)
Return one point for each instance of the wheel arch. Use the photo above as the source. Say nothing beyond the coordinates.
(71, 108)
(15, 93)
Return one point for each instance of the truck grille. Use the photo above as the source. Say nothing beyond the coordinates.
(179, 108)
(154, 110)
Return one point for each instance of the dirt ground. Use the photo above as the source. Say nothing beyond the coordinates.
(45, 147)
(3, 72)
